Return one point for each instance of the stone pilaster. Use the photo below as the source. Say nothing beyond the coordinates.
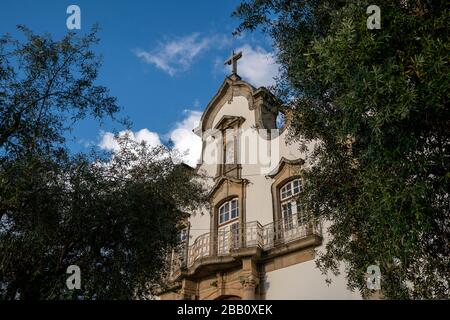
(188, 290)
(249, 285)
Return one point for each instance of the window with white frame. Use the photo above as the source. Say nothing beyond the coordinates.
(228, 211)
(290, 189)
(289, 206)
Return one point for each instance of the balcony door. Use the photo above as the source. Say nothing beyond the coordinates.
(292, 218)
(228, 227)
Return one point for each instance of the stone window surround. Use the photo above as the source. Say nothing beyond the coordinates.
(226, 123)
(225, 190)
(287, 170)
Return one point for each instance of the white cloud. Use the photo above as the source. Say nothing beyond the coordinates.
(176, 55)
(184, 140)
(108, 142)
(257, 66)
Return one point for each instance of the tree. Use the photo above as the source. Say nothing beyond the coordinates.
(113, 215)
(376, 102)
(46, 86)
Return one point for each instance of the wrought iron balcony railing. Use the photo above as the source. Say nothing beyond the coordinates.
(250, 235)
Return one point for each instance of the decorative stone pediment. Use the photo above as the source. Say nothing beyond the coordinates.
(227, 121)
(286, 164)
(226, 187)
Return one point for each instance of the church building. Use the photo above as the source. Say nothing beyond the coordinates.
(253, 240)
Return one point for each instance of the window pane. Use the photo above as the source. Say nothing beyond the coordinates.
(302, 216)
(286, 191)
(234, 209)
(287, 215)
(286, 208)
(299, 207)
(229, 210)
(297, 186)
(221, 213)
(288, 223)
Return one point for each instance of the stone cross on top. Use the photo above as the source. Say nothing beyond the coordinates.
(233, 61)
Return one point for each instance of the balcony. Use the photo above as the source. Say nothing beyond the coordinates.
(210, 252)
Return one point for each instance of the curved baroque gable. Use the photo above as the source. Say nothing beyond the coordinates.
(234, 86)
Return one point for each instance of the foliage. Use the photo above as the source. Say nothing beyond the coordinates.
(376, 104)
(46, 86)
(115, 216)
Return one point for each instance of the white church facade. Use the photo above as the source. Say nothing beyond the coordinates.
(253, 240)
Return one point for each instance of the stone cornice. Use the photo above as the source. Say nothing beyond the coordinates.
(283, 161)
(223, 179)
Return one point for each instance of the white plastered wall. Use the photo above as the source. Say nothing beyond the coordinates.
(305, 280)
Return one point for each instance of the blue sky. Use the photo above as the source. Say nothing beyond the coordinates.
(163, 60)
